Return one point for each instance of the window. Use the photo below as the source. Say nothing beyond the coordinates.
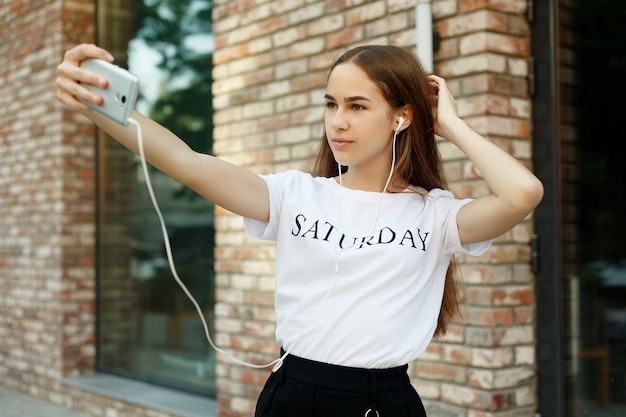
(147, 328)
(596, 274)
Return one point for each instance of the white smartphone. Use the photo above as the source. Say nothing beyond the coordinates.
(120, 96)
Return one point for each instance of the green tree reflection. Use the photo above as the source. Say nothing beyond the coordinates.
(180, 32)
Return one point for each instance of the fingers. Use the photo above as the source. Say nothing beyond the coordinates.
(71, 78)
(444, 105)
(433, 84)
(438, 84)
(69, 92)
(440, 88)
(84, 51)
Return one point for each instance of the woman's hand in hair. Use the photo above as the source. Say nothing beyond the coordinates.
(444, 106)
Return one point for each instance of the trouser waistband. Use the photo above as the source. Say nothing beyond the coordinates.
(342, 377)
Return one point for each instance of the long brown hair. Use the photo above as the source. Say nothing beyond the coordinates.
(402, 80)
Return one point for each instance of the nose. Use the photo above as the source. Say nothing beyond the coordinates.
(338, 121)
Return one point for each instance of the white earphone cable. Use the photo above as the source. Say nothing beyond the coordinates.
(393, 166)
(170, 259)
(276, 363)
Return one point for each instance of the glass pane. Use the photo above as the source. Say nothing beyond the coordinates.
(148, 329)
(597, 279)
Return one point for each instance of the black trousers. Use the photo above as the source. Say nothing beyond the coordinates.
(305, 388)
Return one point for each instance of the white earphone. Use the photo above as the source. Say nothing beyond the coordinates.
(400, 121)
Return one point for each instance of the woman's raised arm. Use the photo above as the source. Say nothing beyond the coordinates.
(229, 186)
(515, 191)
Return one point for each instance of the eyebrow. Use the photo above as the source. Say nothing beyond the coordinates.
(347, 99)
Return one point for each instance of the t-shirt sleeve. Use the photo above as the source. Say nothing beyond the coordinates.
(452, 240)
(276, 185)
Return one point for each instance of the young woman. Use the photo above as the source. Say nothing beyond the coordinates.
(364, 277)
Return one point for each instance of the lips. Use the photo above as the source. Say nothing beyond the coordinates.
(341, 143)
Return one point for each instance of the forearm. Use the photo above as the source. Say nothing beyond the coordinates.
(220, 182)
(507, 178)
(162, 148)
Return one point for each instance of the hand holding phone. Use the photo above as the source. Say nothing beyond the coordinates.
(121, 95)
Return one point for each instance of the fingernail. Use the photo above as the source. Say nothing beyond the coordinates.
(109, 57)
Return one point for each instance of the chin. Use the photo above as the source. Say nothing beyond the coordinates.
(343, 162)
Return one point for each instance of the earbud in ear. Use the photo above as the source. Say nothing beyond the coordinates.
(400, 122)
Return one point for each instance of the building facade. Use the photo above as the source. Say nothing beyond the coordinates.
(88, 311)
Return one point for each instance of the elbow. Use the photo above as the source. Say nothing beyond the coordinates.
(531, 194)
(537, 192)
(522, 199)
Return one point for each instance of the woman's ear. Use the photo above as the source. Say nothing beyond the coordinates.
(403, 120)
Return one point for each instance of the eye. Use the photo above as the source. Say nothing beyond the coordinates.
(330, 105)
(357, 107)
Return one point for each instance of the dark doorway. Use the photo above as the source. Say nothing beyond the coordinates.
(580, 116)
(596, 284)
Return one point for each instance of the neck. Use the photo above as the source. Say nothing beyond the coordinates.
(369, 180)
(355, 180)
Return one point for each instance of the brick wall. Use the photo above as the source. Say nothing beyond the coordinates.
(47, 212)
(270, 69)
(485, 366)
(271, 65)
(46, 202)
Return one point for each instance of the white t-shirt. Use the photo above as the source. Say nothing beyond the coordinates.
(351, 289)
